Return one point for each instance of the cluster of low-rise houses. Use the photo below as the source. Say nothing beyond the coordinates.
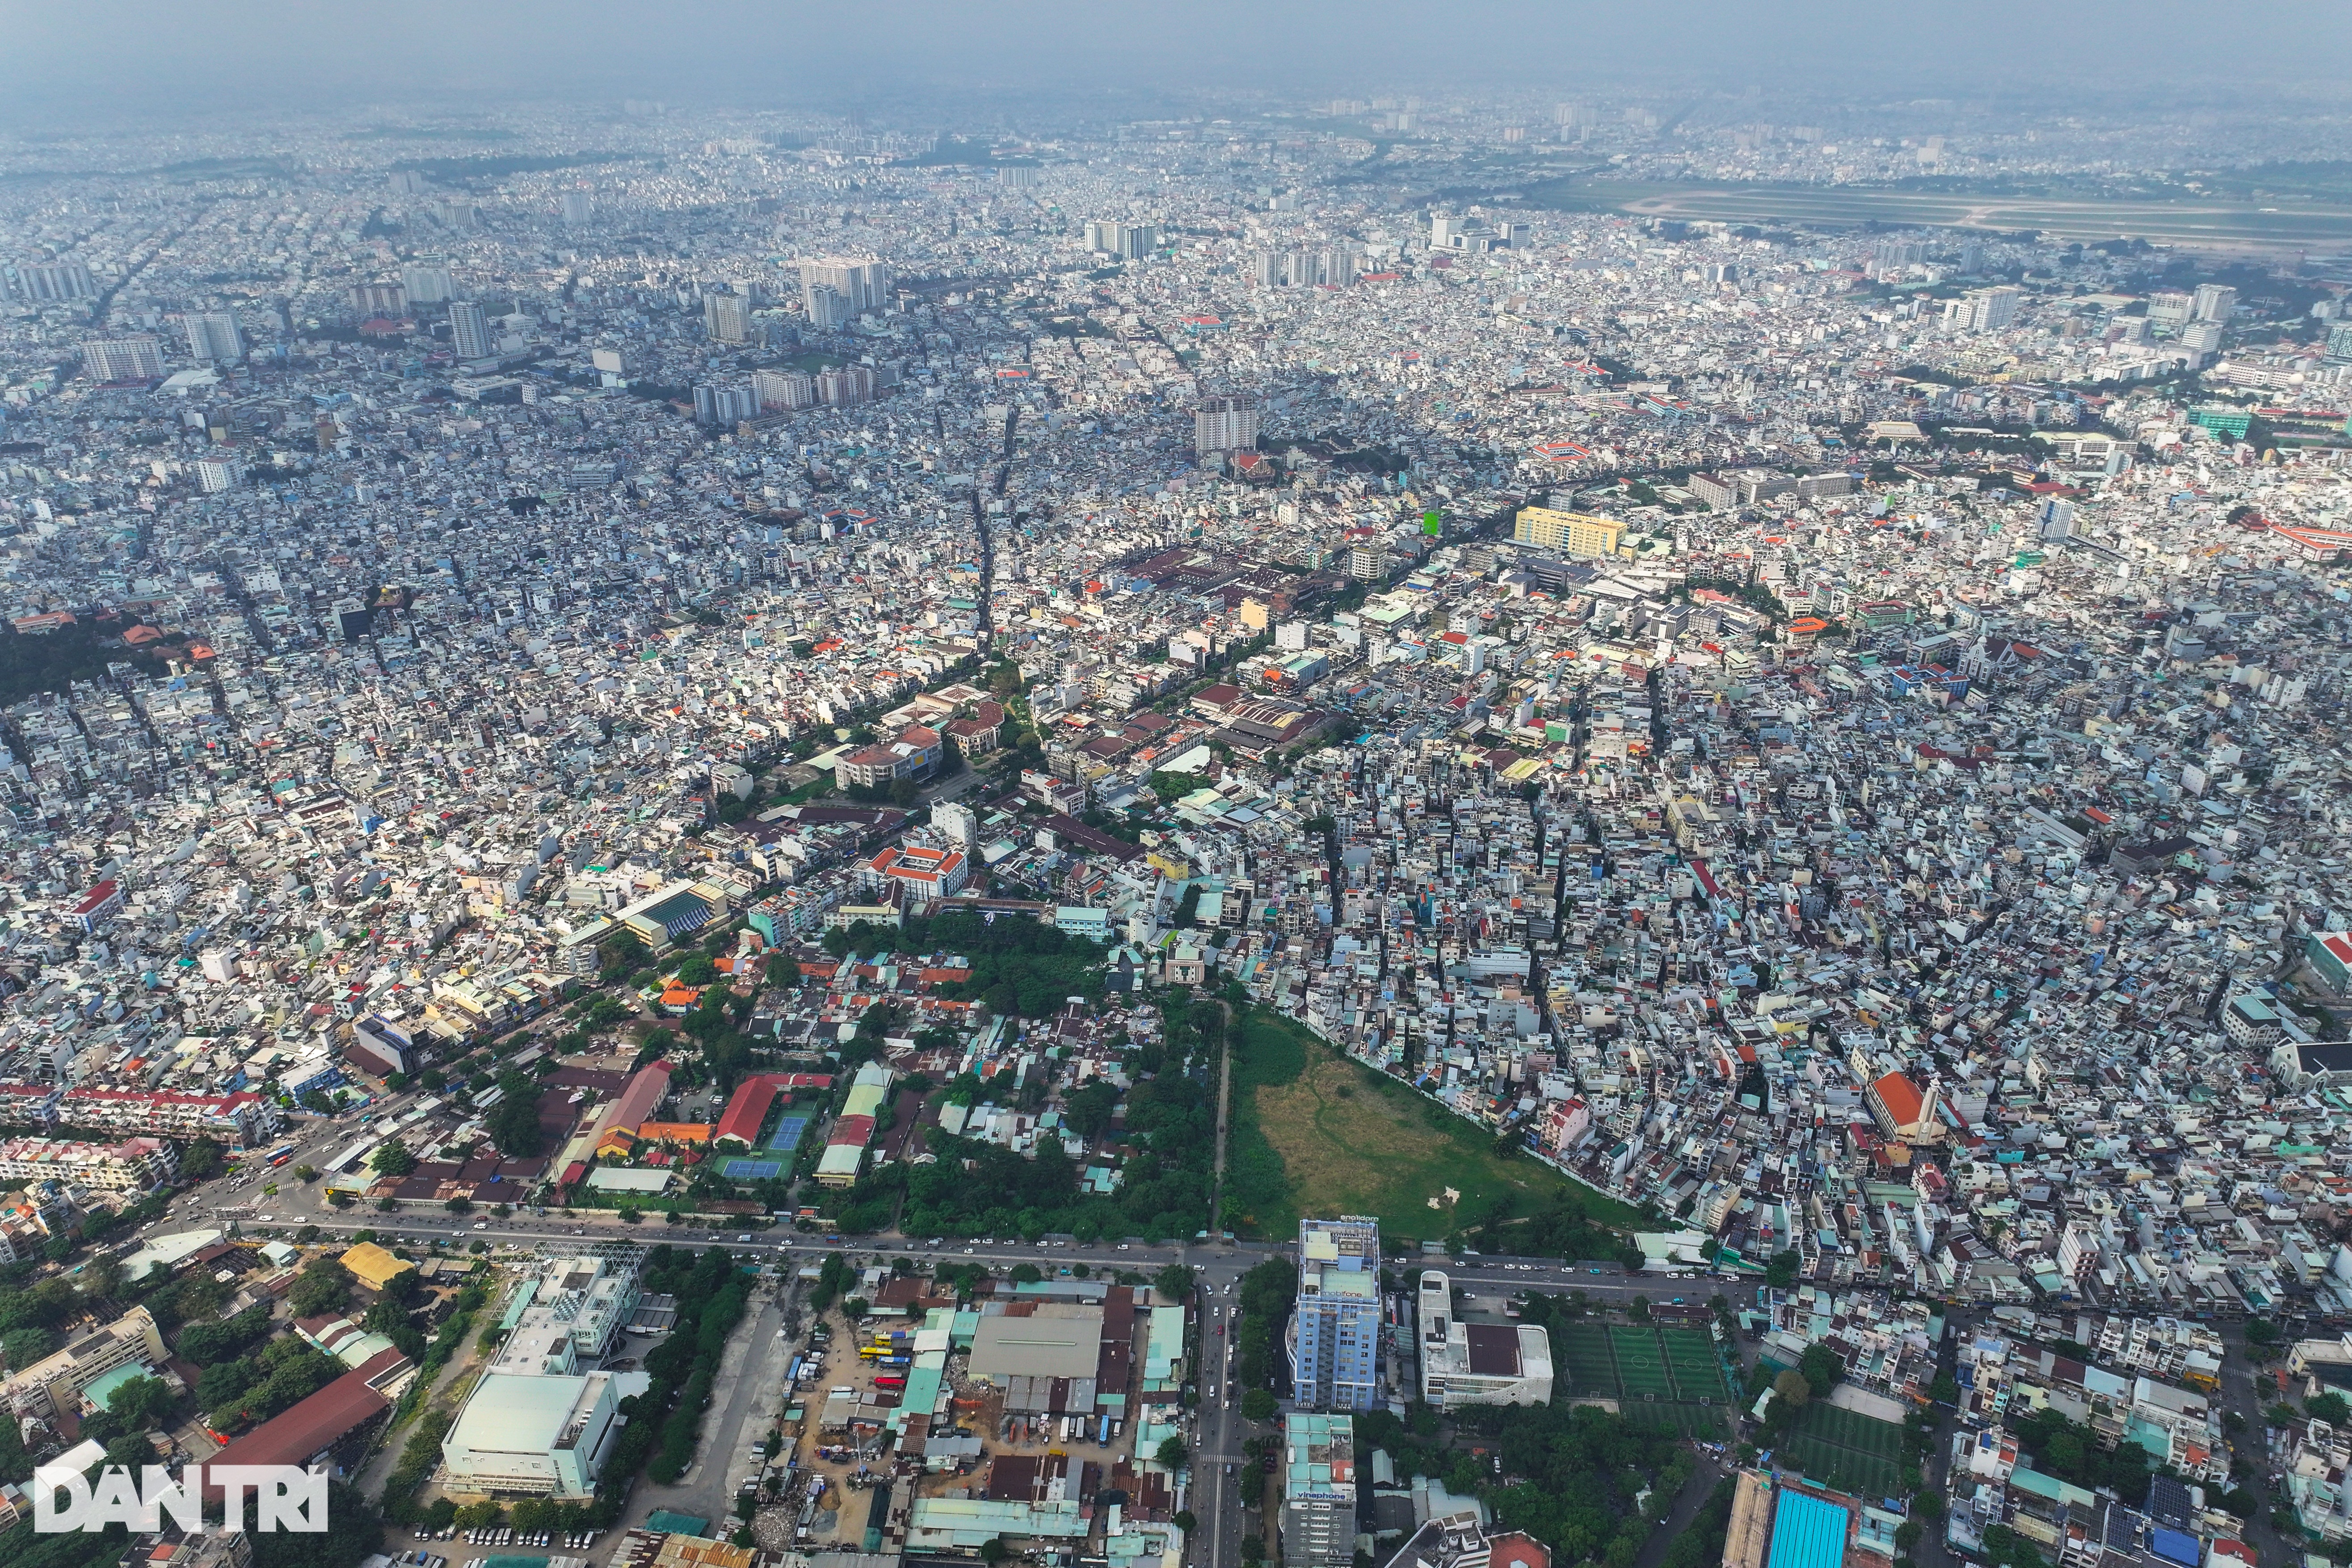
(1817, 736)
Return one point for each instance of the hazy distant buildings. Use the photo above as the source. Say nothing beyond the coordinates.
(213, 335)
(1225, 425)
(213, 475)
(1983, 310)
(1126, 241)
(858, 284)
(786, 389)
(469, 330)
(727, 318)
(426, 283)
(1334, 264)
(65, 278)
(378, 299)
(1567, 532)
(136, 358)
(579, 206)
(724, 406)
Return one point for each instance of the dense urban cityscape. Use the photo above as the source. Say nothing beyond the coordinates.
(1454, 828)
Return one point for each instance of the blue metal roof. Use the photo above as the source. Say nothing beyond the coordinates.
(1806, 1533)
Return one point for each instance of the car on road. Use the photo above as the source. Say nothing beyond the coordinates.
(1595, 1272)
(481, 1225)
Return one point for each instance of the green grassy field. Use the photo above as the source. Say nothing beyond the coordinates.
(1316, 1133)
(1843, 1450)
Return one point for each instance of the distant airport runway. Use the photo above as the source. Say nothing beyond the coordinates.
(2215, 224)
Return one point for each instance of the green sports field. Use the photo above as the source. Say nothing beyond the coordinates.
(1844, 1450)
(1664, 1378)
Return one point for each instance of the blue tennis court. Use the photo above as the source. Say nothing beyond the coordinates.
(752, 1170)
(787, 1135)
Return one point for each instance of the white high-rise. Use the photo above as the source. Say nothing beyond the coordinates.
(135, 358)
(469, 330)
(1225, 425)
(213, 335)
(427, 282)
(579, 206)
(1126, 240)
(863, 283)
(2215, 302)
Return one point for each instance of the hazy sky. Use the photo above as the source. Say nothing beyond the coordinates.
(91, 62)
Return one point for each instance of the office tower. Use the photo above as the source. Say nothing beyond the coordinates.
(1443, 229)
(1971, 259)
(1225, 425)
(406, 183)
(136, 358)
(2057, 517)
(2215, 302)
(1336, 1342)
(727, 318)
(863, 283)
(469, 330)
(67, 278)
(579, 206)
(786, 390)
(1319, 1491)
(426, 283)
(450, 213)
(213, 335)
(353, 619)
(1127, 241)
(1017, 176)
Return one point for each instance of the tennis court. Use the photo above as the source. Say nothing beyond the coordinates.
(752, 1170)
(787, 1135)
(1844, 1450)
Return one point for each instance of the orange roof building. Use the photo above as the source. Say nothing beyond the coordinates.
(673, 1132)
(1902, 1108)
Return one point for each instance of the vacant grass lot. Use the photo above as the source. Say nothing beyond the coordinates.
(1348, 1140)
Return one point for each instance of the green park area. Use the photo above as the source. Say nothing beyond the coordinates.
(1315, 1132)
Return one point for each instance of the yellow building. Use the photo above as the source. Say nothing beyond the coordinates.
(374, 1268)
(1570, 532)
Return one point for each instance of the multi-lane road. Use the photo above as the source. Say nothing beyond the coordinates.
(1220, 1469)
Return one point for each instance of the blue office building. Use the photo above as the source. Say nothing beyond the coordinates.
(1335, 1334)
